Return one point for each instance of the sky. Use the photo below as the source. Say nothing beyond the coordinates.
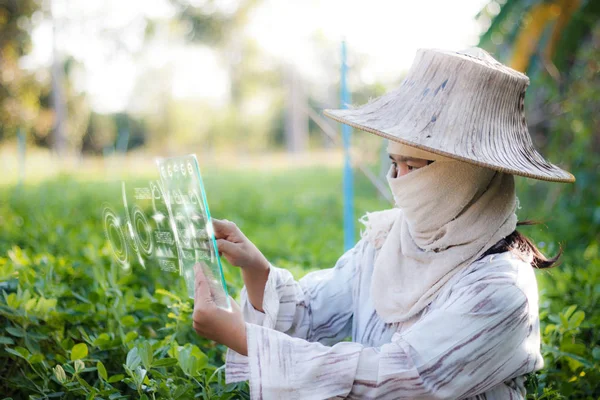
(385, 33)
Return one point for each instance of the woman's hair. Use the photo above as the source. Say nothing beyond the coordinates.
(519, 243)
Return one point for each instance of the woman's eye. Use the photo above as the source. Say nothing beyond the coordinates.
(411, 168)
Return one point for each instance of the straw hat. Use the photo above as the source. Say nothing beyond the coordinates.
(462, 105)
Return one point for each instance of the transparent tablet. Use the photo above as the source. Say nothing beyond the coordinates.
(191, 224)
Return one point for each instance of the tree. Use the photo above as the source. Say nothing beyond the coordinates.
(539, 34)
(20, 92)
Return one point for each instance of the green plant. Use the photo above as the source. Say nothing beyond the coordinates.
(74, 324)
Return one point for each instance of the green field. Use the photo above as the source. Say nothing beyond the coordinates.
(75, 325)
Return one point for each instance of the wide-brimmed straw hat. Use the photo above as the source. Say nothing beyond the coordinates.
(463, 105)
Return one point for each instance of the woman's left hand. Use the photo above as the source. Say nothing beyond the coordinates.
(212, 322)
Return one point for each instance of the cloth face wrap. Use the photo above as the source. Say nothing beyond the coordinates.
(449, 213)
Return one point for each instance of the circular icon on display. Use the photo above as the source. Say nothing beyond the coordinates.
(130, 234)
(114, 235)
(143, 231)
(156, 193)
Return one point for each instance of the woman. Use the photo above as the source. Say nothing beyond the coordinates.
(439, 297)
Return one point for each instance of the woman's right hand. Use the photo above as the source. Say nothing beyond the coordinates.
(237, 249)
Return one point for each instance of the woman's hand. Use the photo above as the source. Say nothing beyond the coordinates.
(237, 248)
(241, 252)
(212, 322)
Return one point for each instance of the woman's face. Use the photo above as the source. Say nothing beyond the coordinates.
(403, 165)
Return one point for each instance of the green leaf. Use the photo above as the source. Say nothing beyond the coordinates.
(6, 340)
(102, 340)
(164, 362)
(569, 311)
(191, 359)
(133, 359)
(180, 391)
(128, 320)
(130, 336)
(116, 378)
(576, 319)
(30, 304)
(69, 368)
(168, 294)
(101, 370)
(80, 298)
(139, 376)
(45, 305)
(19, 352)
(79, 351)
(549, 329)
(555, 318)
(15, 332)
(145, 352)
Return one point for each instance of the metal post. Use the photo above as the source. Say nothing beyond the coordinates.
(347, 179)
(122, 140)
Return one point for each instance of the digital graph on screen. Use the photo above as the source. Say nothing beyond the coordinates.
(167, 223)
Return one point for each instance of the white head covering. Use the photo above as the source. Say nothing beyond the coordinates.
(450, 212)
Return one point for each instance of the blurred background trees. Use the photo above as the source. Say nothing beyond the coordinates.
(24, 98)
(552, 41)
(51, 100)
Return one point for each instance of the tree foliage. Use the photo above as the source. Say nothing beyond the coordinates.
(212, 22)
(539, 34)
(22, 97)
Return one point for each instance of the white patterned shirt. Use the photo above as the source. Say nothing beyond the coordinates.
(476, 340)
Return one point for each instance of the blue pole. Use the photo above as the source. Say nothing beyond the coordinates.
(122, 140)
(347, 179)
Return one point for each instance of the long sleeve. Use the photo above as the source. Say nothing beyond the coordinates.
(317, 308)
(476, 337)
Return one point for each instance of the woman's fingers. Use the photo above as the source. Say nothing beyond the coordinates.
(224, 246)
(223, 228)
(233, 252)
(203, 303)
(218, 227)
(202, 293)
(234, 245)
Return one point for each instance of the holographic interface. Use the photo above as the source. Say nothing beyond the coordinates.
(168, 222)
